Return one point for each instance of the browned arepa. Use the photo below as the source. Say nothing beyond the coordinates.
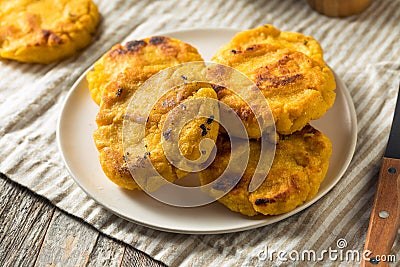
(299, 166)
(113, 81)
(289, 70)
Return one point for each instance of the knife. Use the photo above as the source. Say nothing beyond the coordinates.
(385, 216)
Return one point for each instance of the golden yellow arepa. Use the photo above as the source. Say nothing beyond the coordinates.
(45, 31)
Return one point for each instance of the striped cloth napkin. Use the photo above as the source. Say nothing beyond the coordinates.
(364, 50)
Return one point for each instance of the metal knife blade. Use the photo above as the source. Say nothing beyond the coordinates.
(393, 145)
(385, 216)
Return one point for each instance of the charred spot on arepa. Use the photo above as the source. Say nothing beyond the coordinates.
(130, 47)
(262, 201)
(156, 40)
(134, 46)
(282, 196)
(50, 37)
(217, 88)
(276, 81)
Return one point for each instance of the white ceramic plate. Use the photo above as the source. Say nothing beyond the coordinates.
(77, 124)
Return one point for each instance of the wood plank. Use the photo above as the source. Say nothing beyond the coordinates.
(68, 242)
(134, 257)
(107, 252)
(34, 232)
(6, 194)
(24, 218)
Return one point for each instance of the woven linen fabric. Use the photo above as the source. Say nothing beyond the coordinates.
(364, 51)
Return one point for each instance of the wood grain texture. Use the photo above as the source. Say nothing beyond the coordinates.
(24, 220)
(107, 252)
(382, 230)
(133, 257)
(67, 242)
(35, 233)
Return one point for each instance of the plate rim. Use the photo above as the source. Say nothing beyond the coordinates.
(263, 222)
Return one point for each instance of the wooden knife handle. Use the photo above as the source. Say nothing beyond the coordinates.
(385, 216)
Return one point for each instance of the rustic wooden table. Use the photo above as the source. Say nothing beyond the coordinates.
(33, 232)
